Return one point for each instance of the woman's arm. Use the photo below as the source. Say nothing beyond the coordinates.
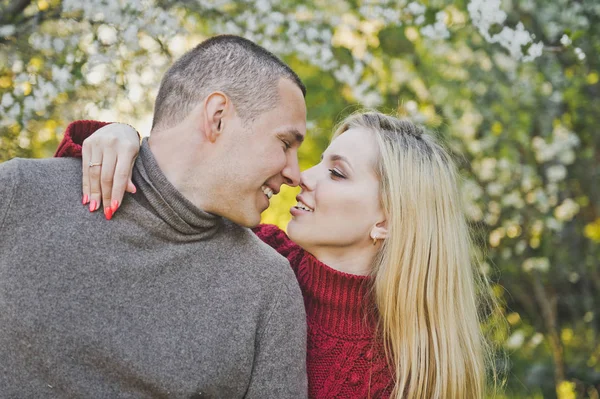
(75, 134)
(279, 241)
(108, 151)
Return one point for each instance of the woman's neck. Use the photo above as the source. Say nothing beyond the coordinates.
(349, 260)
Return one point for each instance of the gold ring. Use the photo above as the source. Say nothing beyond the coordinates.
(94, 164)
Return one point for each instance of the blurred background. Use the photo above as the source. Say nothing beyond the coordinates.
(511, 87)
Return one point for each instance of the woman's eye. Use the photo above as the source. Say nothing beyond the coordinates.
(336, 173)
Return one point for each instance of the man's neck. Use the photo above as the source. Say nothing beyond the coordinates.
(177, 157)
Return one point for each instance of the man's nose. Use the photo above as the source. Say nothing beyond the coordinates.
(291, 172)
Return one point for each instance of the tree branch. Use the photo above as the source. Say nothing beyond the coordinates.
(547, 304)
(15, 8)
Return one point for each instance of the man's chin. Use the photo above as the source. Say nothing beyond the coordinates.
(247, 220)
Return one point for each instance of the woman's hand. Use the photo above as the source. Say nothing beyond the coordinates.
(108, 157)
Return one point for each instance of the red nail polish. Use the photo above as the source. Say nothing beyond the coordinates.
(93, 206)
(85, 199)
(114, 206)
(108, 213)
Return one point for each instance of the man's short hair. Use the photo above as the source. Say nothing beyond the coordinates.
(241, 69)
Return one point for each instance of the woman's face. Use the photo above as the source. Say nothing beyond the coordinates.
(339, 202)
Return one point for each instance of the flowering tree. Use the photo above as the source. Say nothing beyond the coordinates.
(512, 89)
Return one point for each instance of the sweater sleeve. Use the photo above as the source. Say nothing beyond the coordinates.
(76, 132)
(9, 177)
(279, 369)
(279, 241)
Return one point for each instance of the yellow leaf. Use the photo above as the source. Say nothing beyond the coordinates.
(592, 230)
(36, 63)
(26, 88)
(43, 5)
(513, 318)
(5, 82)
(497, 128)
(566, 335)
(566, 390)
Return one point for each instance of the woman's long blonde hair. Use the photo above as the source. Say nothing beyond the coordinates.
(425, 286)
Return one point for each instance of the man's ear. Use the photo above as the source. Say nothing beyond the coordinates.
(215, 107)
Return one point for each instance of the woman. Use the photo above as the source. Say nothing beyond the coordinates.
(381, 250)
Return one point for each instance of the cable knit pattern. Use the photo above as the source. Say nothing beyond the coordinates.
(343, 359)
(76, 132)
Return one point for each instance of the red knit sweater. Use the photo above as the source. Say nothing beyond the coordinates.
(343, 358)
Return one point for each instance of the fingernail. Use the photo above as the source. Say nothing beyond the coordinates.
(134, 190)
(114, 206)
(108, 213)
(93, 206)
(85, 199)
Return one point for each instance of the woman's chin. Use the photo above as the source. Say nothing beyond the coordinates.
(294, 231)
(291, 229)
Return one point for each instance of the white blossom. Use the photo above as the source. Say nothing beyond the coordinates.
(539, 264)
(7, 100)
(438, 30)
(516, 340)
(534, 51)
(487, 13)
(495, 189)
(14, 111)
(513, 199)
(486, 170)
(61, 76)
(567, 210)
(554, 224)
(7, 30)
(556, 173)
(536, 339)
(565, 40)
(579, 53)
(415, 8)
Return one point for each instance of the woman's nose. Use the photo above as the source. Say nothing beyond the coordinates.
(307, 179)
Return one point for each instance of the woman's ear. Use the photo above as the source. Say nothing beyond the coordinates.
(379, 231)
(215, 108)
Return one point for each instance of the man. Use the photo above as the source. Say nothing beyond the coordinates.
(173, 297)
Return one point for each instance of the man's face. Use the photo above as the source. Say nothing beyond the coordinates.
(260, 156)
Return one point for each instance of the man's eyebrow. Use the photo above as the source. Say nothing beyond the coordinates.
(295, 134)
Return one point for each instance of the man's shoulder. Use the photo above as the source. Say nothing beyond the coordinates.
(255, 254)
(41, 177)
(38, 169)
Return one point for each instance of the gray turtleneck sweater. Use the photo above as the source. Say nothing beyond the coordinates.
(163, 301)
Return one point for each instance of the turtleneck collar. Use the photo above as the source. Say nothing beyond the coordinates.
(339, 302)
(157, 194)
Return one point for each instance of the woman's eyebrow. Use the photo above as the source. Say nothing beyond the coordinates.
(336, 157)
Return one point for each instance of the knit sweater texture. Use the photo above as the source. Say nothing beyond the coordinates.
(344, 359)
(163, 301)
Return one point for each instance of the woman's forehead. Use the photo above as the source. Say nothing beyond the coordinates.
(356, 144)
